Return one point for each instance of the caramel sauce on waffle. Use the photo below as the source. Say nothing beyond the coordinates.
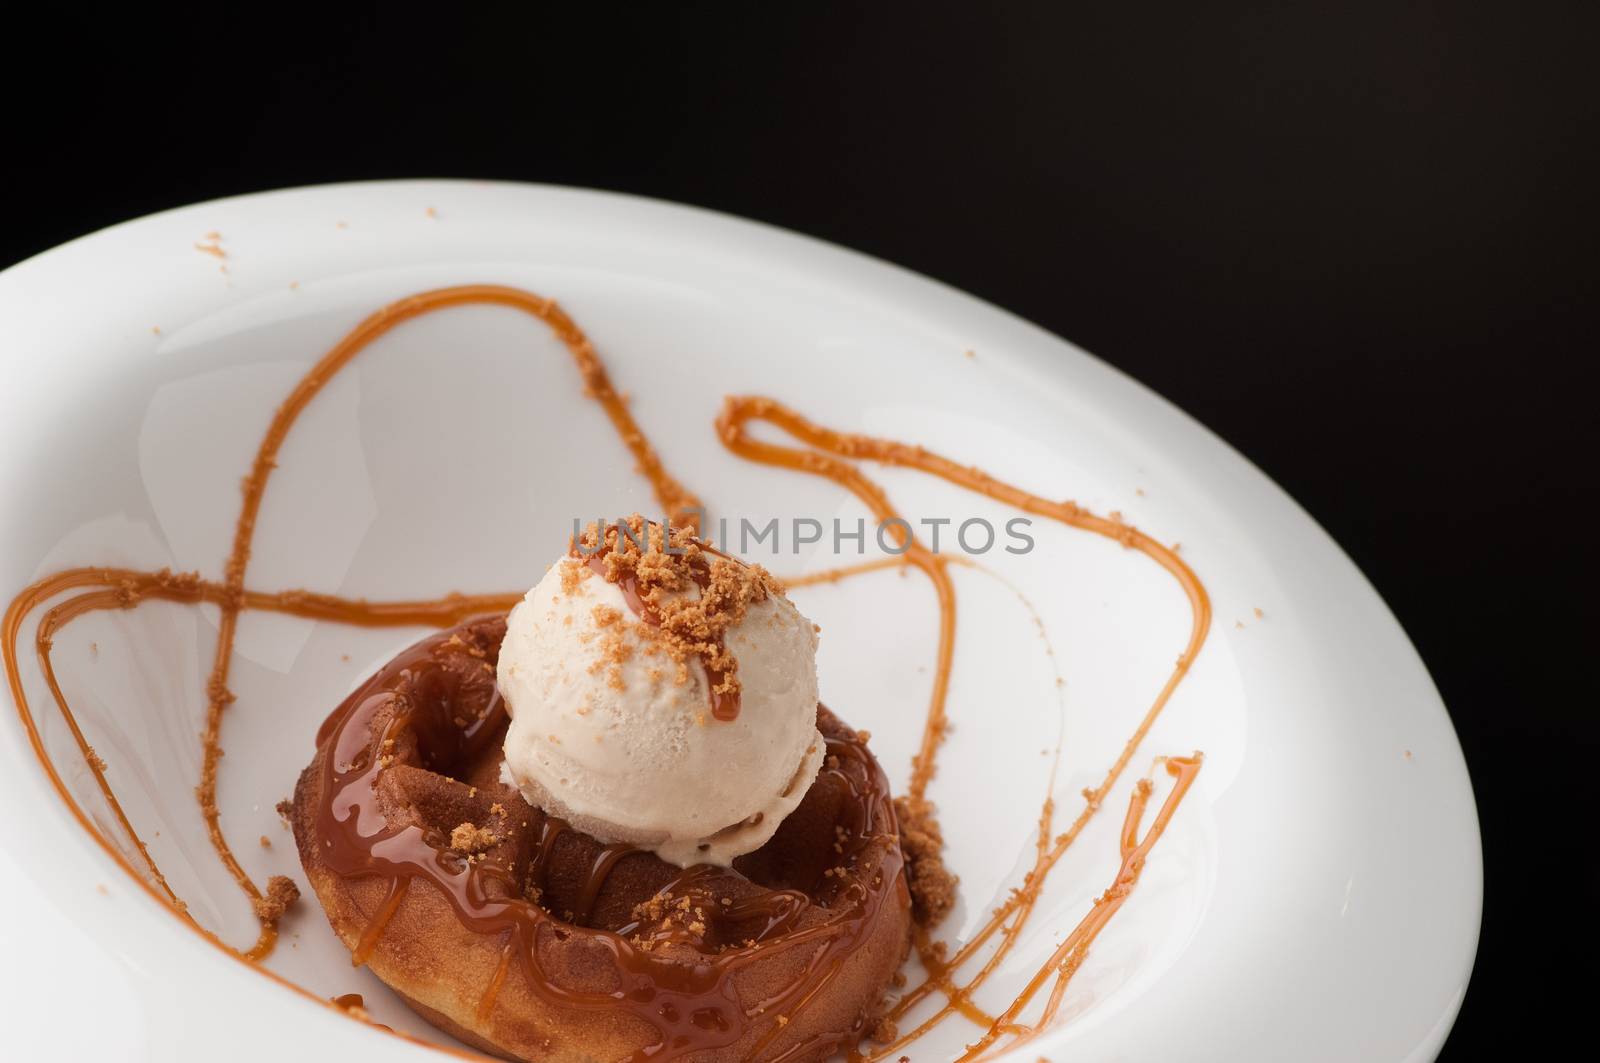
(441, 713)
(823, 452)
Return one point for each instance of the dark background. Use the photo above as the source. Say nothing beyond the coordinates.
(1356, 242)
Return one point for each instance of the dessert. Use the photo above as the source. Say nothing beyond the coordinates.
(425, 815)
(523, 936)
(624, 798)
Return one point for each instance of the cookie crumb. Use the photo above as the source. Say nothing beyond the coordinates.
(472, 839)
(933, 886)
(661, 567)
(281, 893)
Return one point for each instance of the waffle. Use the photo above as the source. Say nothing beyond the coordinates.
(526, 938)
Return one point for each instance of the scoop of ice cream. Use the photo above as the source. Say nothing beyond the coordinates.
(604, 670)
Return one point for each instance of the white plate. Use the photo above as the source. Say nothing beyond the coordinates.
(1317, 897)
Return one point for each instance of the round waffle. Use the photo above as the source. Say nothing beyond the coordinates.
(524, 937)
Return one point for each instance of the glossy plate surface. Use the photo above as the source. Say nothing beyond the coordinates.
(1316, 897)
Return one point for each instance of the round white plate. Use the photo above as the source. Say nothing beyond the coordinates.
(1316, 897)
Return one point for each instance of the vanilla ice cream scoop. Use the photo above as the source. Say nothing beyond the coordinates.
(665, 701)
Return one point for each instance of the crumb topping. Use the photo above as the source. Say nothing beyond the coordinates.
(661, 918)
(472, 839)
(281, 893)
(933, 886)
(656, 568)
(616, 649)
(572, 576)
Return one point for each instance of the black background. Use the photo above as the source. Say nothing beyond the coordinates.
(1354, 241)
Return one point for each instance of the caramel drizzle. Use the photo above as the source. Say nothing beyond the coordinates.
(492, 993)
(122, 589)
(119, 588)
(1070, 954)
(380, 922)
(827, 458)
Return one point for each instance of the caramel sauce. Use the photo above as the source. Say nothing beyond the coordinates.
(354, 1006)
(832, 455)
(825, 453)
(1070, 954)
